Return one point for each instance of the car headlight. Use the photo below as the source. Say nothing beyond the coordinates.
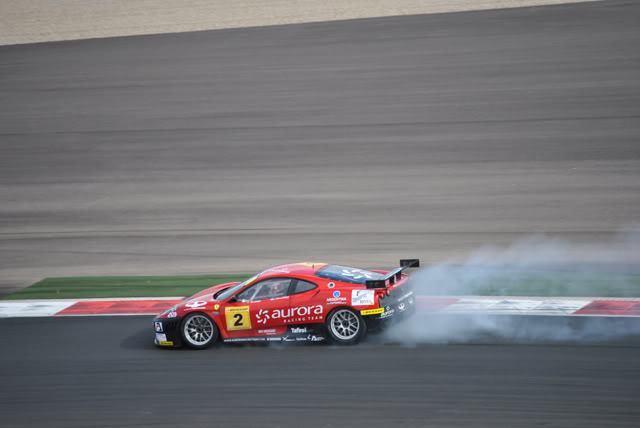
(171, 309)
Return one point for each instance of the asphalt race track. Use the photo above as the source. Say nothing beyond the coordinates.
(356, 142)
(105, 372)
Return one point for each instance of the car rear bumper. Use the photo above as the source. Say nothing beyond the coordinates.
(393, 312)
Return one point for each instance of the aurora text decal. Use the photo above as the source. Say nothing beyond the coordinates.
(298, 314)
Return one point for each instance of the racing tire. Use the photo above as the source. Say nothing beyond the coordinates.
(198, 331)
(345, 326)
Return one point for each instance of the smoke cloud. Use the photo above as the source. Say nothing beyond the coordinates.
(540, 266)
(499, 329)
(535, 266)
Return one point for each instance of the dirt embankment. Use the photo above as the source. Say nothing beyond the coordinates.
(30, 21)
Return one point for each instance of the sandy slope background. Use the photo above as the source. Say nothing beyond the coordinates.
(29, 21)
(358, 142)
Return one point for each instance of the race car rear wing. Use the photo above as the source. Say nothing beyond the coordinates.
(394, 275)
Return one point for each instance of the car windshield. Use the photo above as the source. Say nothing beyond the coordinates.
(232, 290)
(347, 274)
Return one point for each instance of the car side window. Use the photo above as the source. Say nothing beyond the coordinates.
(271, 288)
(302, 286)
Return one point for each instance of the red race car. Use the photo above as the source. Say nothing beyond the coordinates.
(298, 302)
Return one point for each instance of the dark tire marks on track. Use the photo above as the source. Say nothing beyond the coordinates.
(104, 371)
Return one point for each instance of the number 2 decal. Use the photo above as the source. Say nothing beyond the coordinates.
(238, 317)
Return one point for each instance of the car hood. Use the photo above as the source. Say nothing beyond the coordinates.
(205, 297)
(209, 292)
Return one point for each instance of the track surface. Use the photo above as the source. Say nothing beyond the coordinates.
(351, 141)
(357, 142)
(104, 372)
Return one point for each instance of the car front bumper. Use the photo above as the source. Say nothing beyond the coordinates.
(167, 332)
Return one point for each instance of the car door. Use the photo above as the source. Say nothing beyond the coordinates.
(306, 305)
(262, 306)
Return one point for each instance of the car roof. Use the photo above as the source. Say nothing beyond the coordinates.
(302, 268)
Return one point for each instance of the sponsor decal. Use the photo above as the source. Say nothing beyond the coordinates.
(250, 280)
(387, 312)
(246, 339)
(276, 270)
(290, 315)
(411, 300)
(362, 297)
(309, 338)
(215, 313)
(196, 305)
(404, 296)
(158, 326)
(372, 311)
(357, 273)
(331, 284)
(298, 329)
(401, 307)
(161, 337)
(287, 338)
(337, 299)
(238, 317)
(262, 316)
(165, 343)
(268, 331)
(171, 312)
(311, 264)
(216, 307)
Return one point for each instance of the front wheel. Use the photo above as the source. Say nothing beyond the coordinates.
(345, 326)
(198, 331)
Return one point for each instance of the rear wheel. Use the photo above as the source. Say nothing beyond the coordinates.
(345, 326)
(198, 331)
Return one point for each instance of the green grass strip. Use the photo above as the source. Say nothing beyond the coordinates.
(453, 281)
(122, 286)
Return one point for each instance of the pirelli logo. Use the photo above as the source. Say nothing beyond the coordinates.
(371, 311)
